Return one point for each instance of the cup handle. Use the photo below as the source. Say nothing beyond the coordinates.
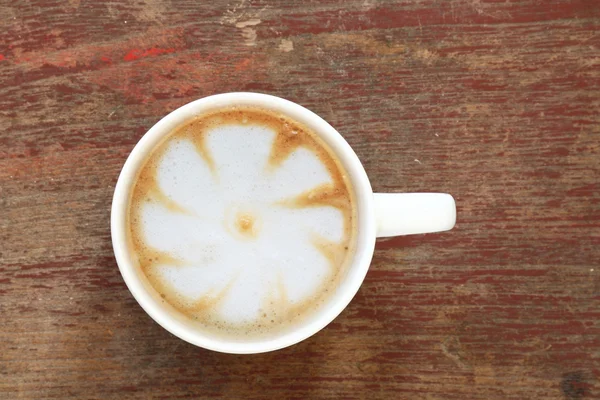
(399, 214)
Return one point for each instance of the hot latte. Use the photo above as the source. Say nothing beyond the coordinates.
(242, 221)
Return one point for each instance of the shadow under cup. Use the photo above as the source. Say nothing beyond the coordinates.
(180, 325)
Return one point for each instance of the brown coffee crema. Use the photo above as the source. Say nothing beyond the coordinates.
(278, 312)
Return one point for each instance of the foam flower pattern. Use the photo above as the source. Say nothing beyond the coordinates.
(238, 236)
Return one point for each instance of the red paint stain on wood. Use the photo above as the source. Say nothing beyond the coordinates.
(86, 56)
(136, 54)
(2, 57)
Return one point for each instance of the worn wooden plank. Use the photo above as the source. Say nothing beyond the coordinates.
(496, 102)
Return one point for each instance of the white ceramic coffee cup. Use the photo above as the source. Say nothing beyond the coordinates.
(379, 215)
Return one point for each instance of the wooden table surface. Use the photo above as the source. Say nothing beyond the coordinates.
(496, 102)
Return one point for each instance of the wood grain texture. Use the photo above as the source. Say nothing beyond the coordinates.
(496, 102)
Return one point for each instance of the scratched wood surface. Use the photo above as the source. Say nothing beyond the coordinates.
(496, 102)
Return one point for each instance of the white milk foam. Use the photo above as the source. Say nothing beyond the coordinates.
(218, 258)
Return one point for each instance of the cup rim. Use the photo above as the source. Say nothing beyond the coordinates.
(366, 229)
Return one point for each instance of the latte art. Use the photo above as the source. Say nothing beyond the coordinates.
(243, 221)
